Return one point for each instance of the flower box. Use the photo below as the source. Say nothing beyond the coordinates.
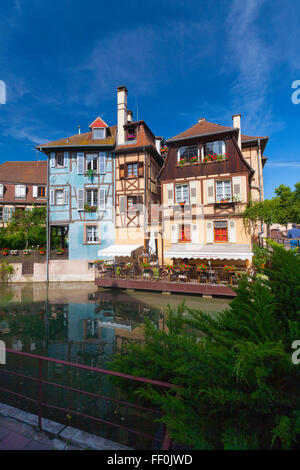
(201, 267)
(4, 253)
(90, 209)
(228, 268)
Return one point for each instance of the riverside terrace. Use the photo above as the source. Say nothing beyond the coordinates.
(180, 278)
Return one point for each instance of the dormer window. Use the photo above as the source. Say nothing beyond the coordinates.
(188, 154)
(99, 133)
(215, 149)
(131, 133)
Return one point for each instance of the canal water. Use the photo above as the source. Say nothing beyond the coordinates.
(79, 323)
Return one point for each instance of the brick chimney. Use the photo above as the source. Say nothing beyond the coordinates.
(236, 119)
(122, 113)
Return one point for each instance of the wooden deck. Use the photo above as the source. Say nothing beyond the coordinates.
(214, 290)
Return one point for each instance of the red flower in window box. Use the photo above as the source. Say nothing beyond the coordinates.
(229, 268)
(42, 251)
(5, 252)
(201, 267)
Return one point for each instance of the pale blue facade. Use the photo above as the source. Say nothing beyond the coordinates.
(70, 188)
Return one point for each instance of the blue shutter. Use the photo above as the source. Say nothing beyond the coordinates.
(52, 197)
(66, 158)
(80, 163)
(66, 193)
(102, 199)
(52, 160)
(80, 199)
(102, 163)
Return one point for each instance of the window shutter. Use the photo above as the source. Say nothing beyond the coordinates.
(141, 169)
(52, 160)
(5, 214)
(65, 196)
(236, 183)
(170, 194)
(232, 231)
(52, 197)
(154, 208)
(122, 172)
(34, 191)
(80, 163)
(1, 190)
(193, 192)
(209, 232)
(102, 199)
(210, 191)
(123, 204)
(17, 190)
(66, 158)
(102, 163)
(174, 233)
(194, 233)
(80, 199)
(23, 191)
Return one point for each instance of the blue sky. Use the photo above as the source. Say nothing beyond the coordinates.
(180, 60)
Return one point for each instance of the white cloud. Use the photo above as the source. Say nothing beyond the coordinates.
(252, 61)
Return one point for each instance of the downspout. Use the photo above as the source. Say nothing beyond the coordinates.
(47, 225)
(259, 185)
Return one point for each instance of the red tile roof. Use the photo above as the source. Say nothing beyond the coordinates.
(83, 140)
(201, 127)
(98, 123)
(24, 172)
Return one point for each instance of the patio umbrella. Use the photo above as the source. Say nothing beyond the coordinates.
(152, 245)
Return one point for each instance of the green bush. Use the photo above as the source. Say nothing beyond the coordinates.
(238, 388)
(6, 272)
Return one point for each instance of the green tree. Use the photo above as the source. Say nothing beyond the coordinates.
(27, 228)
(238, 388)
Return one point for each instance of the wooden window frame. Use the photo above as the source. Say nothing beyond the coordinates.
(181, 228)
(38, 192)
(86, 161)
(56, 159)
(175, 194)
(55, 191)
(222, 180)
(214, 228)
(86, 226)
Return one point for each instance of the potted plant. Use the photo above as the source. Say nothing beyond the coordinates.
(201, 267)
(5, 252)
(229, 268)
(88, 208)
(26, 252)
(194, 160)
(155, 271)
(168, 267)
(90, 174)
(42, 251)
(182, 203)
(164, 150)
(182, 162)
(184, 267)
(59, 251)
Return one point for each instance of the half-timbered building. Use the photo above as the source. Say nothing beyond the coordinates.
(81, 195)
(209, 175)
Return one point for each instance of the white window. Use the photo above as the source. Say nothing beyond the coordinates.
(59, 159)
(214, 148)
(20, 191)
(188, 154)
(223, 191)
(59, 197)
(92, 234)
(182, 193)
(99, 133)
(92, 197)
(1, 190)
(91, 161)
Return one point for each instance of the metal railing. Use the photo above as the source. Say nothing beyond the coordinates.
(42, 406)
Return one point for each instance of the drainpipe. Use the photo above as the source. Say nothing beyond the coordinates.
(259, 185)
(47, 225)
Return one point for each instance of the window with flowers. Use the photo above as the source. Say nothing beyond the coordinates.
(188, 154)
(214, 151)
